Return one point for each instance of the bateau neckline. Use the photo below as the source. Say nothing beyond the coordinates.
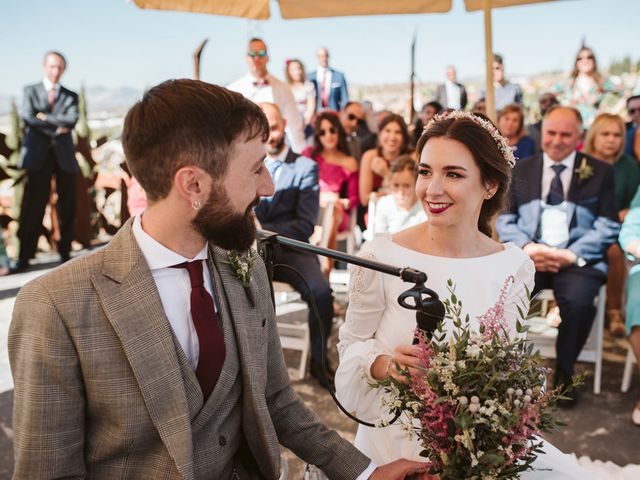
(507, 247)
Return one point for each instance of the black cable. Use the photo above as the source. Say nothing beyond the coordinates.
(323, 358)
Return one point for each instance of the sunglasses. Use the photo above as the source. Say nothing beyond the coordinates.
(588, 57)
(257, 53)
(353, 117)
(633, 111)
(331, 130)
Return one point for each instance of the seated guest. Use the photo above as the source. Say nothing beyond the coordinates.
(338, 173)
(546, 101)
(511, 125)
(359, 137)
(562, 213)
(292, 211)
(630, 241)
(633, 127)
(605, 141)
(303, 90)
(426, 113)
(401, 208)
(393, 141)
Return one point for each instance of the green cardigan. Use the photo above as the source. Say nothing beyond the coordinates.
(626, 172)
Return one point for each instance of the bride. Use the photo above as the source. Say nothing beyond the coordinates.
(464, 173)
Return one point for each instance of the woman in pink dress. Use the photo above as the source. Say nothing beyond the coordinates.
(338, 174)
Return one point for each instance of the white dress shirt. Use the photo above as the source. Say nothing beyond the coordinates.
(453, 94)
(48, 86)
(281, 157)
(277, 92)
(174, 287)
(548, 174)
(554, 219)
(323, 77)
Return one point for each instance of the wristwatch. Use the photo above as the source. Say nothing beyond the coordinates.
(580, 262)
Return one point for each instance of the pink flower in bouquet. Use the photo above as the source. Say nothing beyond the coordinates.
(492, 322)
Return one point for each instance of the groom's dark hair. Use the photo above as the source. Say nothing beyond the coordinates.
(186, 122)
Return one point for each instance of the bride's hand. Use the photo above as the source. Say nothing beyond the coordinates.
(387, 365)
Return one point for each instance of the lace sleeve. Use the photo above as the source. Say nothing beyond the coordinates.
(517, 297)
(357, 346)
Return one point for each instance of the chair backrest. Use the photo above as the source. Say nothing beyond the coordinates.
(325, 218)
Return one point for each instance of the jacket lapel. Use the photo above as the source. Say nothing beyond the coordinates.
(249, 330)
(574, 188)
(132, 305)
(534, 179)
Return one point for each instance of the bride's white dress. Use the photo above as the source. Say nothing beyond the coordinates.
(376, 323)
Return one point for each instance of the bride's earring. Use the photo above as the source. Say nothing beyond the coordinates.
(196, 204)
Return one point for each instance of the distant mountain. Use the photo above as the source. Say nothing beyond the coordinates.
(100, 100)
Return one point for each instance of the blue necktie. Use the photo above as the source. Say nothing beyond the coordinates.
(556, 192)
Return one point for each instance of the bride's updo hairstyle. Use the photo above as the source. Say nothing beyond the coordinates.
(489, 150)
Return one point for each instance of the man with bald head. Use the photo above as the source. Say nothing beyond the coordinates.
(330, 84)
(562, 213)
(292, 211)
(451, 93)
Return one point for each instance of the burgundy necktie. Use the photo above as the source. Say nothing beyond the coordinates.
(324, 94)
(52, 97)
(210, 337)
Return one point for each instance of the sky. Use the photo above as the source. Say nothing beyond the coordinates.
(113, 43)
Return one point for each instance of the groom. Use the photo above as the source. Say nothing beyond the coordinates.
(148, 358)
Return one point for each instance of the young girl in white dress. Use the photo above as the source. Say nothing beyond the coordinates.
(464, 173)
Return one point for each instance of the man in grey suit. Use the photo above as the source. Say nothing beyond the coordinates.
(451, 93)
(158, 356)
(49, 111)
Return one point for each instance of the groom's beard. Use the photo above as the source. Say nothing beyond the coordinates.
(219, 224)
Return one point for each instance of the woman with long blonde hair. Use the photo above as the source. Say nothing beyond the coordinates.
(605, 141)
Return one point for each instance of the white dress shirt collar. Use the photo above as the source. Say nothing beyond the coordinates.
(157, 255)
(568, 161)
(48, 85)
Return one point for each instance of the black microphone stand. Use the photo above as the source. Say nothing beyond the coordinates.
(429, 309)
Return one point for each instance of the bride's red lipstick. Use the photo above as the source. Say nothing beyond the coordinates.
(436, 211)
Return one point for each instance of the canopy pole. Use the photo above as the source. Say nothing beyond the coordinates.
(488, 45)
(196, 59)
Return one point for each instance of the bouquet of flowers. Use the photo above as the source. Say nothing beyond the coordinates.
(478, 400)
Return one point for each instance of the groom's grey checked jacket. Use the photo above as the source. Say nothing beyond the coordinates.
(103, 389)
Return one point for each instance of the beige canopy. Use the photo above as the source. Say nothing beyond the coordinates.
(290, 9)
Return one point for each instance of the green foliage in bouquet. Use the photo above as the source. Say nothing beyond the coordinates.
(478, 400)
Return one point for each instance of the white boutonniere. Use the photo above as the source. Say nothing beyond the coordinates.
(584, 171)
(242, 265)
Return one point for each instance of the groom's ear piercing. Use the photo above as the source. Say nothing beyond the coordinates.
(196, 204)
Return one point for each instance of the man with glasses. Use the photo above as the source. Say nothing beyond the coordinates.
(260, 86)
(359, 137)
(505, 92)
(633, 108)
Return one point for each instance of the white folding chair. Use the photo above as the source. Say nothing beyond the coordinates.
(543, 336)
(291, 319)
(628, 371)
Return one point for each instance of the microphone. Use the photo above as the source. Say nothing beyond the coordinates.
(428, 316)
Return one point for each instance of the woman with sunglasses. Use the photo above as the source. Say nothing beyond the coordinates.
(605, 141)
(302, 89)
(463, 181)
(393, 141)
(586, 87)
(338, 174)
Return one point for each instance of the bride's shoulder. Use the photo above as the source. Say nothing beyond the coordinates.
(516, 256)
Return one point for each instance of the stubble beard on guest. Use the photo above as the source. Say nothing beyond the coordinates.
(219, 224)
(275, 148)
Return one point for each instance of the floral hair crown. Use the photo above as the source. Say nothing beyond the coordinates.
(504, 147)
